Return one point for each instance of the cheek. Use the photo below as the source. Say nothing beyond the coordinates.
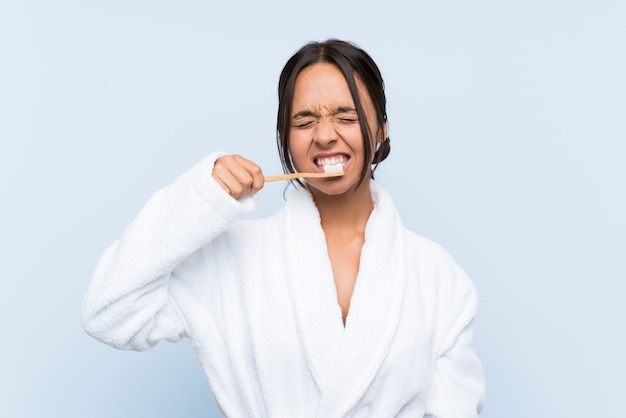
(354, 138)
(349, 133)
(300, 138)
(298, 146)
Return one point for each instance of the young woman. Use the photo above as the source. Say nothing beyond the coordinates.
(330, 308)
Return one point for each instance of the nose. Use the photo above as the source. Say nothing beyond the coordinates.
(325, 133)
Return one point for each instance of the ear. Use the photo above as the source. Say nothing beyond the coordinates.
(382, 134)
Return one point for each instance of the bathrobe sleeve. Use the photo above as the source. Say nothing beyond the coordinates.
(134, 298)
(457, 388)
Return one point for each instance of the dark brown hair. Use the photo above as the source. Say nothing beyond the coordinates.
(350, 60)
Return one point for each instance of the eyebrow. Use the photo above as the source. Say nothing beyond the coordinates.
(309, 113)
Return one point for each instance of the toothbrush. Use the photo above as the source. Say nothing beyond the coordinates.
(331, 170)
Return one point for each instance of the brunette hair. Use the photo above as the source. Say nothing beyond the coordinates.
(350, 60)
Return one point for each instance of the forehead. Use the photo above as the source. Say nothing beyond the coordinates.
(324, 84)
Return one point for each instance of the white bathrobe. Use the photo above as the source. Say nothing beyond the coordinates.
(258, 302)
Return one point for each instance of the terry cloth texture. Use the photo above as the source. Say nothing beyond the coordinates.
(258, 302)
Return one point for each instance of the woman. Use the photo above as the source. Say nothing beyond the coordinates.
(330, 308)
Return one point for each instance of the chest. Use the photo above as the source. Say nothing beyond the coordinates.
(302, 354)
(345, 256)
(281, 320)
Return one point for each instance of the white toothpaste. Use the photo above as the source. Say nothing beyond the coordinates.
(333, 168)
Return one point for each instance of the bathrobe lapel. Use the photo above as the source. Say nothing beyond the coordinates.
(318, 315)
(345, 361)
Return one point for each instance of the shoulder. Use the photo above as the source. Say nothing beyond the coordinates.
(427, 250)
(248, 233)
(435, 267)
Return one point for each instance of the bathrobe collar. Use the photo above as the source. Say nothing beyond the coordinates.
(344, 361)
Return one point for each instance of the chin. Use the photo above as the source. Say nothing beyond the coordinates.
(338, 187)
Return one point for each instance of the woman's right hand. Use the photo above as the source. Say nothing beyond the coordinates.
(238, 176)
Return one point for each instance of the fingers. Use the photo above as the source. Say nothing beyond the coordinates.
(238, 176)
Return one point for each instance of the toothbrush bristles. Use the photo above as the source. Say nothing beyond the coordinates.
(333, 168)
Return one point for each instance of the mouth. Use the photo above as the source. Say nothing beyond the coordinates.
(331, 164)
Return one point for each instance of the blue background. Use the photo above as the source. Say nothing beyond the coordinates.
(508, 125)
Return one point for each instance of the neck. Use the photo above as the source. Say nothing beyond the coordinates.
(349, 211)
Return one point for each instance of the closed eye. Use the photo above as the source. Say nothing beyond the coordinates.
(348, 120)
(347, 115)
(302, 125)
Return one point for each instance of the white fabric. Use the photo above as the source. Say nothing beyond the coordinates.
(258, 302)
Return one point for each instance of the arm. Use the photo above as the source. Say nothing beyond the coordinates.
(128, 303)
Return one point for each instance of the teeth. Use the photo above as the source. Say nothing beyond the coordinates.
(331, 160)
(332, 164)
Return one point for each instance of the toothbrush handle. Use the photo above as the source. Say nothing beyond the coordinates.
(302, 175)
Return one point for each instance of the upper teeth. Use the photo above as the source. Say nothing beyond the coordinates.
(331, 160)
